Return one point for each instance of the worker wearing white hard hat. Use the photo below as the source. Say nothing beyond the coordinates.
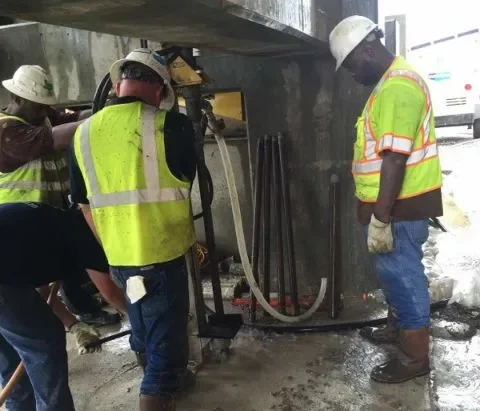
(33, 163)
(398, 183)
(132, 168)
(149, 60)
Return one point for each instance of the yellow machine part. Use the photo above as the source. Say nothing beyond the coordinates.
(182, 74)
(227, 105)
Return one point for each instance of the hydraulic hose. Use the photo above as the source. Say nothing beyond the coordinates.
(242, 246)
(332, 326)
(100, 98)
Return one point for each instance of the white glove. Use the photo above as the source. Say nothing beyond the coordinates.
(85, 335)
(380, 237)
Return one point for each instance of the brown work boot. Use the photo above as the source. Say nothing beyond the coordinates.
(156, 403)
(411, 362)
(382, 335)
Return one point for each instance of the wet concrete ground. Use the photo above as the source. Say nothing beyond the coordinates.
(456, 379)
(265, 372)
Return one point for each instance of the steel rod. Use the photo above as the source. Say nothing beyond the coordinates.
(109, 338)
(290, 251)
(257, 212)
(332, 277)
(278, 223)
(266, 215)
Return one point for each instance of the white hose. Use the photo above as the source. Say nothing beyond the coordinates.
(242, 246)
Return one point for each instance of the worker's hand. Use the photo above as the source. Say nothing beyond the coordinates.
(86, 335)
(380, 237)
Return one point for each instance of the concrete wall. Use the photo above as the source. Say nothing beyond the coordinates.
(295, 96)
(316, 108)
(306, 16)
(77, 59)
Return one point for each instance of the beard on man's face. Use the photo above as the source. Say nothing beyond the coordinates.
(367, 74)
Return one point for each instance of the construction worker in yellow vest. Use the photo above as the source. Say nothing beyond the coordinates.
(398, 183)
(132, 169)
(34, 138)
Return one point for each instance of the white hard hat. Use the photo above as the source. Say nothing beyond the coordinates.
(348, 34)
(32, 83)
(152, 60)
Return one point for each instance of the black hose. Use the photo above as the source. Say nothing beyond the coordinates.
(210, 191)
(97, 98)
(337, 326)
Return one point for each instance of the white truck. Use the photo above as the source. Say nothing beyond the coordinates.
(451, 66)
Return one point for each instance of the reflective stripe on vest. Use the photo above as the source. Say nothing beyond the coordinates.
(416, 157)
(395, 142)
(38, 180)
(141, 210)
(32, 185)
(423, 172)
(154, 193)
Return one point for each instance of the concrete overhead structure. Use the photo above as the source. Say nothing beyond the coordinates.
(239, 26)
(276, 53)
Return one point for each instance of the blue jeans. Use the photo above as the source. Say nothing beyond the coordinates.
(159, 323)
(402, 275)
(30, 332)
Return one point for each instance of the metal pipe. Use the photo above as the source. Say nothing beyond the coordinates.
(193, 268)
(267, 174)
(257, 212)
(109, 338)
(290, 251)
(278, 226)
(334, 248)
(193, 97)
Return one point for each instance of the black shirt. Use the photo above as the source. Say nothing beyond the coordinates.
(41, 244)
(179, 150)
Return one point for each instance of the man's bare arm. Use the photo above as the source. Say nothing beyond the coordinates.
(84, 114)
(65, 316)
(391, 179)
(63, 135)
(87, 214)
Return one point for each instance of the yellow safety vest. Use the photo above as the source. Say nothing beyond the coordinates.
(43, 180)
(140, 209)
(423, 171)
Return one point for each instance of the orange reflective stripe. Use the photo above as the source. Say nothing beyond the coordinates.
(416, 157)
(395, 143)
(372, 145)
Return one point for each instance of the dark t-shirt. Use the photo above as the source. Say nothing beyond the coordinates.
(41, 244)
(422, 207)
(21, 143)
(179, 150)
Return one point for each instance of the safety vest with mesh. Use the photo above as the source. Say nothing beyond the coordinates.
(141, 211)
(44, 180)
(423, 171)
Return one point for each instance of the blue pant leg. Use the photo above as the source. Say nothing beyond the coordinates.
(29, 325)
(22, 397)
(165, 315)
(402, 275)
(137, 338)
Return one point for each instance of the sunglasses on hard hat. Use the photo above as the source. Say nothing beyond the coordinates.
(141, 73)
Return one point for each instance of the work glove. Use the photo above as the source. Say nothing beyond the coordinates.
(380, 237)
(86, 335)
